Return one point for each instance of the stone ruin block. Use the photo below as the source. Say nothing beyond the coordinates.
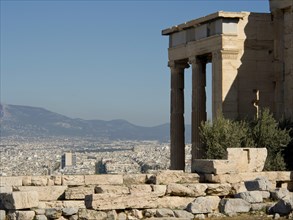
(46, 193)
(238, 160)
(213, 166)
(73, 180)
(231, 206)
(261, 183)
(104, 179)
(251, 196)
(20, 200)
(136, 201)
(10, 181)
(273, 177)
(248, 159)
(206, 204)
(78, 192)
(175, 176)
(112, 189)
(130, 179)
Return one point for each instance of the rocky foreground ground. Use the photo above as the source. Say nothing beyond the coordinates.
(161, 195)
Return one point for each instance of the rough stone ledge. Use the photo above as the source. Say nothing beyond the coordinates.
(160, 177)
(285, 176)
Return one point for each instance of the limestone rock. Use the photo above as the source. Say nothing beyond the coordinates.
(140, 189)
(164, 213)
(20, 200)
(183, 214)
(261, 183)
(193, 190)
(111, 189)
(78, 192)
(248, 176)
(136, 213)
(10, 181)
(175, 176)
(247, 159)
(112, 215)
(173, 202)
(258, 206)
(40, 211)
(50, 182)
(159, 190)
(199, 216)
(46, 193)
(57, 180)
(266, 194)
(277, 216)
(283, 206)
(87, 214)
(238, 188)
(25, 215)
(62, 218)
(53, 213)
(73, 217)
(39, 180)
(112, 201)
(26, 180)
(238, 160)
(41, 217)
(2, 215)
(219, 189)
(134, 179)
(216, 215)
(206, 166)
(69, 211)
(223, 178)
(149, 212)
(73, 204)
(204, 205)
(121, 216)
(73, 180)
(250, 196)
(228, 206)
(50, 204)
(5, 189)
(280, 193)
(103, 179)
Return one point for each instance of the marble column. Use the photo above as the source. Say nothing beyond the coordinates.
(177, 128)
(198, 104)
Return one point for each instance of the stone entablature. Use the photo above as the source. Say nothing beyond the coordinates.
(204, 20)
(219, 23)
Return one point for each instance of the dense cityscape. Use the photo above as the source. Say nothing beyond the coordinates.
(43, 156)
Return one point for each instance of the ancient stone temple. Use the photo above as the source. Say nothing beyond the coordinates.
(252, 68)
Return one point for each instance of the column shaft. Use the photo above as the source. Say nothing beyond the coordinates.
(177, 118)
(198, 105)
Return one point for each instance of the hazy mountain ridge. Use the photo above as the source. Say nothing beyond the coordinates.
(38, 122)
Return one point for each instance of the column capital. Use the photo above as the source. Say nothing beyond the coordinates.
(177, 64)
(197, 59)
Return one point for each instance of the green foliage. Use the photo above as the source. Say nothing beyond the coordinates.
(262, 132)
(266, 133)
(288, 151)
(221, 134)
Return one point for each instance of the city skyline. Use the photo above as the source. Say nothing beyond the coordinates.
(97, 59)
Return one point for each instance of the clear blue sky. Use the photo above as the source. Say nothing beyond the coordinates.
(97, 59)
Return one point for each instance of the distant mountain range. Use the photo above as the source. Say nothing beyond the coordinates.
(29, 121)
